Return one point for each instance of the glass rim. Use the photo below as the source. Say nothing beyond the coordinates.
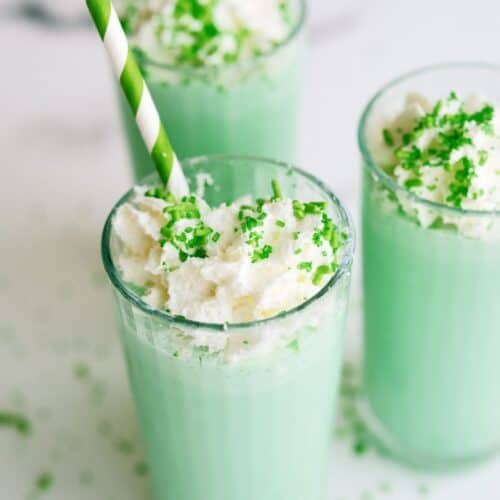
(187, 70)
(131, 296)
(376, 169)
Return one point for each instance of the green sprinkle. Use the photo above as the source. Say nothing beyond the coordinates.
(460, 186)
(388, 139)
(160, 193)
(82, 371)
(413, 183)
(483, 157)
(277, 194)
(141, 469)
(296, 235)
(215, 237)
(15, 421)
(280, 223)
(297, 251)
(294, 345)
(317, 238)
(359, 447)
(305, 266)
(125, 446)
(200, 253)
(262, 254)
(314, 207)
(298, 209)
(44, 482)
(319, 273)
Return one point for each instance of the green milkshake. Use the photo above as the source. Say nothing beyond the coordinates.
(224, 74)
(431, 266)
(232, 319)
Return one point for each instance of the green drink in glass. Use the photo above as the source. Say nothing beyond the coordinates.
(431, 241)
(235, 90)
(234, 410)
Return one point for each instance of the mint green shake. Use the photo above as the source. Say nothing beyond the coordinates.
(244, 410)
(431, 241)
(235, 90)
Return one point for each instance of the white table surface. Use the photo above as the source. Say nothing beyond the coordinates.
(60, 140)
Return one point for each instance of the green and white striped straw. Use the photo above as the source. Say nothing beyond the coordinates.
(138, 95)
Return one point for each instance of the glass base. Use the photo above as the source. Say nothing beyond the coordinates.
(389, 447)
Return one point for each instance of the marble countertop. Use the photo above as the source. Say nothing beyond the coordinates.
(60, 140)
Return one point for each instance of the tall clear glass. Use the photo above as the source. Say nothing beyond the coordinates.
(249, 107)
(432, 297)
(250, 418)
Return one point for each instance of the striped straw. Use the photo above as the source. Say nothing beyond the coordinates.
(138, 95)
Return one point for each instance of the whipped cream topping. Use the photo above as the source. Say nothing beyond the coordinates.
(205, 32)
(230, 264)
(446, 152)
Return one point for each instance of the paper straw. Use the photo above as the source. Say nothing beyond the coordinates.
(138, 96)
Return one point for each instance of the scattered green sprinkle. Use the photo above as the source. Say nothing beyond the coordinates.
(141, 469)
(160, 193)
(298, 209)
(277, 194)
(305, 266)
(280, 223)
(294, 345)
(193, 36)
(452, 134)
(483, 157)
(15, 421)
(125, 446)
(82, 371)
(359, 448)
(413, 183)
(44, 482)
(262, 254)
(388, 139)
(314, 207)
(320, 272)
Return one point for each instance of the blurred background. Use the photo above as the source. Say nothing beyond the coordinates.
(64, 164)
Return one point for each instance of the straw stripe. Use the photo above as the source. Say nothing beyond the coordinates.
(100, 11)
(162, 158)
(177, 175)
(116, 43)
(148, 120)
(132, 82)
(137, 93)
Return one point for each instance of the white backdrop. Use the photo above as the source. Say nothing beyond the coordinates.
(63, 164)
